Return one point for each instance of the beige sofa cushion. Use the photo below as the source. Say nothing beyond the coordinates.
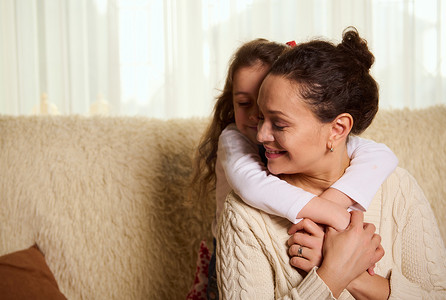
(103, 200)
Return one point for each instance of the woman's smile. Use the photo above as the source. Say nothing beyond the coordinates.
(272, 154)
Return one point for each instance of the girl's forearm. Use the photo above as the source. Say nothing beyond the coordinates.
(326, 212)
(337, 197)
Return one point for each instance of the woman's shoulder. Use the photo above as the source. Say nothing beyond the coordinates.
(402, 193)
(402, 181)
(402, 174)
(258, 221)
(236, 205)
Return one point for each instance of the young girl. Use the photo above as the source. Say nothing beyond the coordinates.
(228, 156)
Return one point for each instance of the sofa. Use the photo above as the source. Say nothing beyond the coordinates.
(104, 198)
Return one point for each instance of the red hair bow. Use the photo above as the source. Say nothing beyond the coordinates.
(291, 43)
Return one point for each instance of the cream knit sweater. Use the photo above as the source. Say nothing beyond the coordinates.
(252, 260)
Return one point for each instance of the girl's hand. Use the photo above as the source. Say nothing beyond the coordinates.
(305, 244)
(349, 253)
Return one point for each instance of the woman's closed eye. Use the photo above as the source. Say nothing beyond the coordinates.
(278, 126)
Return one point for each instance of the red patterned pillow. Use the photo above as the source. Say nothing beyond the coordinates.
(25, 275)
(198, 290)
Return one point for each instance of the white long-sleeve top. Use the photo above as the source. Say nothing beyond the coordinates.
(239, 167)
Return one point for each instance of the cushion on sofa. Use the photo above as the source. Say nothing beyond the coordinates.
(25, 275)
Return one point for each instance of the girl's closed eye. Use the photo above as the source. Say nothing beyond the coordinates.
(245, 103)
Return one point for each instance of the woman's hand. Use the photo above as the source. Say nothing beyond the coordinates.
(305, 244)
(349, 253)
(369, 287)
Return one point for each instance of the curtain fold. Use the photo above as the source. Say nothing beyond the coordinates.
(168, 59)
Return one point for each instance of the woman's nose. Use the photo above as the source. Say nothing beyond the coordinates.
(264, 133)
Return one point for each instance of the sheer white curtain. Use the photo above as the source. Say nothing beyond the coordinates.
(61, 52)
(168, 58)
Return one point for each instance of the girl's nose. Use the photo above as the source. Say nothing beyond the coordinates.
(254, 114)
(254, 117)
(264, 133)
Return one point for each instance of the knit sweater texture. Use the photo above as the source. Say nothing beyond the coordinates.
(252, 259)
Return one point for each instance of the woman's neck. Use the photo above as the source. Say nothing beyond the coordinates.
(317, 181)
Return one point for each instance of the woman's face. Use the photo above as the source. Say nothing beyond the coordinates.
(246, 84)
(294, 139)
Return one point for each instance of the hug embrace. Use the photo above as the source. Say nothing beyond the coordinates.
(306, 209)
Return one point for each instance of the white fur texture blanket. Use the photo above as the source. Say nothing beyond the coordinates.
(103, 197)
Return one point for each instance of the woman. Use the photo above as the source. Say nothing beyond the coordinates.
(314, 97)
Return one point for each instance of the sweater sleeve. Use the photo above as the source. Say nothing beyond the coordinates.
(371, 163)
(422, 273)
(245, 264)
(250, 179)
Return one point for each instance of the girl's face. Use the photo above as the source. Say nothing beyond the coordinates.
(246, 84)
(294, 139)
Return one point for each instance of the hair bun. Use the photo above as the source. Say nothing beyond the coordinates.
(355, 46)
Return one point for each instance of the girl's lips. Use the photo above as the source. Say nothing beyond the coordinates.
(272, 154)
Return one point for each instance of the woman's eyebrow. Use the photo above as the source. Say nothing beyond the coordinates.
(276, 113)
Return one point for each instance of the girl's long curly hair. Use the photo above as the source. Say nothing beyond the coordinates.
(258, 51)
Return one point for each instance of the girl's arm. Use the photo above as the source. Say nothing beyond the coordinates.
(371, 164)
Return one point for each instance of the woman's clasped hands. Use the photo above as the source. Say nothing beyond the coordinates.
(305, 244)
(341, 256)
